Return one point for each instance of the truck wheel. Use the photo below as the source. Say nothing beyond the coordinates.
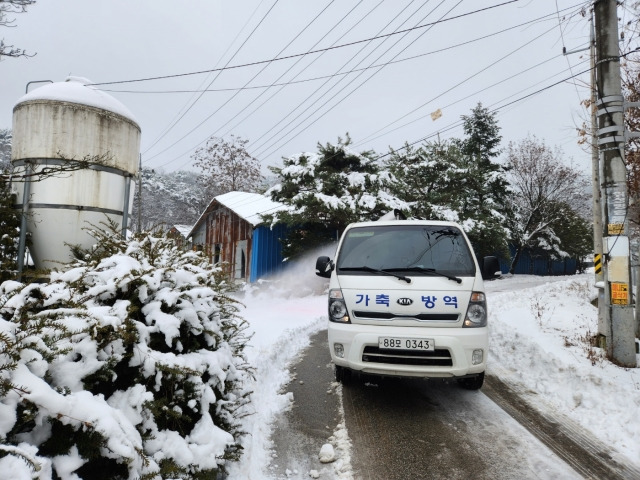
(343, 375)
(472, 383)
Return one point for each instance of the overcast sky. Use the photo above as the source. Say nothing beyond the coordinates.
(396, 81)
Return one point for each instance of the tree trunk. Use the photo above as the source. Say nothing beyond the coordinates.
(515, 260)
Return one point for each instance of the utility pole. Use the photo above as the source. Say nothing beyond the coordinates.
(140, 195)
(611, 141)
(604, 322)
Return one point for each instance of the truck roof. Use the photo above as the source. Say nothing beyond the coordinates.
(404, 222)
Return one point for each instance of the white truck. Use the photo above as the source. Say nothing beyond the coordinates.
(406, 298)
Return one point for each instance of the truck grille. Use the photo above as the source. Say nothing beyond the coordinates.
(439, 357)
(443, 317)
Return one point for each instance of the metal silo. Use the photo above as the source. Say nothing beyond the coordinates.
(59, 124)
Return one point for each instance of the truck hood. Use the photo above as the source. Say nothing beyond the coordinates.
(427, 301)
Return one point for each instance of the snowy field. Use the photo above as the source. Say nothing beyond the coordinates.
(539, 327)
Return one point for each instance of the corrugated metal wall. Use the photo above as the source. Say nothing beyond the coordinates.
(227, 238)
(224, 230)
(266, 257)
(539, 263)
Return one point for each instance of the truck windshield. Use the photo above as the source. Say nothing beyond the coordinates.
(414, 249)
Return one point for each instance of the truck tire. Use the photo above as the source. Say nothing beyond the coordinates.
(343, 375)
(472, 383)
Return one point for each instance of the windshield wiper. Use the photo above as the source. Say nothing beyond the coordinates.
(431, 271)
(376, 270)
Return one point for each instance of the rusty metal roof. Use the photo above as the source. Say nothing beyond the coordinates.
(248, 206)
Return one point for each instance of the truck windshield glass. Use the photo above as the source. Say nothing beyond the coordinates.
(406, 249)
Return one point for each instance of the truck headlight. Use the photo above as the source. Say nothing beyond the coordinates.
(476, 311)
(337, 307)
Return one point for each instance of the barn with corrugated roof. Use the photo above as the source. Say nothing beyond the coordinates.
(232, 233)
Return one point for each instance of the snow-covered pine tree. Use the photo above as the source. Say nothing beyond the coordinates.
(328, 190)
(6, 137)
(458, 180)
(483, 186)
(426, 178)
(9, 232)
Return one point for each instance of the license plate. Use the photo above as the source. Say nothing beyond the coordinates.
(402, 343)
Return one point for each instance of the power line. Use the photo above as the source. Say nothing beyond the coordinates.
(357, 23)
(176, 119)
(252, 78)
(375, 134)
(277, 59)
(421, 106)
(168, 129)
(292, 111)
(372, 137)
(338, 74)
(563, 43)
(283, 74)
(495, 110)
(372, 66)
(462, 82)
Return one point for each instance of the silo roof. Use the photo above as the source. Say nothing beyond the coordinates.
(78, 90)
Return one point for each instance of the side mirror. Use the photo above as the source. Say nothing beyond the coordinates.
(490, 268)
(324, 267)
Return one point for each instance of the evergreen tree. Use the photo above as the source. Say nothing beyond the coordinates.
(9, 232)
(458, 180)
(426, 179)
(327, 191)
(576, 234)
(6, 136)
(483, 186)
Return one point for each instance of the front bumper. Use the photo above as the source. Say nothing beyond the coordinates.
(452, 358)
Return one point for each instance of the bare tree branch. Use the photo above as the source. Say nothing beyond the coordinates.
(226, 166)
(547, 196)
(61, 167)
(8, 8)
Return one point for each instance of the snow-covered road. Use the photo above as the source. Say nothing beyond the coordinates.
(538, 344)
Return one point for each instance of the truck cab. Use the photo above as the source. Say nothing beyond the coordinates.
(406, 298)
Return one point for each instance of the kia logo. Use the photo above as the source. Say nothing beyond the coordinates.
(405, 301)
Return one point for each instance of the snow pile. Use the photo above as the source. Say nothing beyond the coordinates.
(542, 340)
(129, 365)
(327, 453)
(281, 329)
(78, 90)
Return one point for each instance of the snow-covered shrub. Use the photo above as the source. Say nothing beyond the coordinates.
(130, 364)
